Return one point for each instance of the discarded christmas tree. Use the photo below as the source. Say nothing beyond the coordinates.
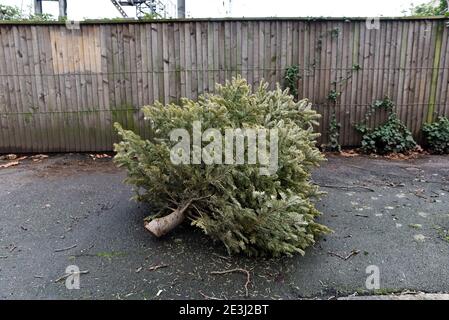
(258, 203)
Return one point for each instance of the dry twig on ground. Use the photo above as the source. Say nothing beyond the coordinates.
(248, 276)
(353, 253)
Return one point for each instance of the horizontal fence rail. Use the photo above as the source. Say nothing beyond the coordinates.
(62, 88)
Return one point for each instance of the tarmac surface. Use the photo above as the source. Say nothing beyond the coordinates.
(71, 210)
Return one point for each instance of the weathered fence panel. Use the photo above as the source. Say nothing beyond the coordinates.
(61, 89)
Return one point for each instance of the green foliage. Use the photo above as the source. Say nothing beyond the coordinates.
(9, 12)
(151, 16)
(392, 136)
(333, 95)
(334, 135)
(13, 13)
(40, 17)
(234, 204)
(356, 67)
(436, 136)
(335, 33)
(431, 8)
(291, 79)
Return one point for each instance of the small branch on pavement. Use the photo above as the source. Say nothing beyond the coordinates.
(69, 274)
(347, 187)
(248, 276)
(353, 253)
(220, 256)
(65, 249)
(154, 268)
(208, 297)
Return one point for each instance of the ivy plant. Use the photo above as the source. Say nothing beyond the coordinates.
(436, 136)
(390, 137)
(291, 79)
(334, 135)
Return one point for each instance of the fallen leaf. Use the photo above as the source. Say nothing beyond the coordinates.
(9, 164)
(39, 157)
(419, 237)
(349, 154)
(11, 157)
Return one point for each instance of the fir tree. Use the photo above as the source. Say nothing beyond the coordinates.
(248, 212)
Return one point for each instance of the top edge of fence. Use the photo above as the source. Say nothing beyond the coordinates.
(136, 21)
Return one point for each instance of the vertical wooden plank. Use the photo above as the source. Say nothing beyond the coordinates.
(56, 133)
(356, 59)
(139, 67)
(82, 73)
(376, 36)
(150, 77)
(205, 57)
(416, 79)
(76, 86)
(364, 101)
(143, 57)
(172, 71)
(107, 68)
(405, 48)
(39, 118)
(127, 72)
(349, 72)
(142, 65)
(96, 86)
(261, 51)
(227, 50)
(22, 138)
(255, 54)
(10, 106)
(249, 59)
(280, 41)
(187, 63)
(443, 100)
(199, 57)
(181, 60)
(34, 91)
(210, 56)
(194, 59)
(383, 63)
(115, 76)
(102, 91)
(284, 39)
(410, 75)
(132, 112)
(442, 79)
(243, 57)
(221, 52)
(289, 46)
(313, 62)
(133, 59)
(273, 58)
(155, 51)
(304, 62)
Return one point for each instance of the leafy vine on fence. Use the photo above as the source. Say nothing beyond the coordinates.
(390, 137)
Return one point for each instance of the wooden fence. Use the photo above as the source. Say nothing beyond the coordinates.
(62, 88)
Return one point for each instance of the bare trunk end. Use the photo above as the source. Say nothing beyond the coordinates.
(161, 226)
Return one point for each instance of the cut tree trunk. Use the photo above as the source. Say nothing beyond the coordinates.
(161, 226)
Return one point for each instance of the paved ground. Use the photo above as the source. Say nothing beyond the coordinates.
(395, 214)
